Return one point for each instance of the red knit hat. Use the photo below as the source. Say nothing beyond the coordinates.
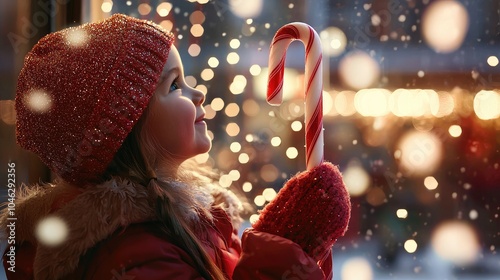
(82, 90)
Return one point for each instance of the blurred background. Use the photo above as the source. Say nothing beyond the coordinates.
(411, 115)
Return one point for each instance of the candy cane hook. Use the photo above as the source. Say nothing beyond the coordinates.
(314, 83)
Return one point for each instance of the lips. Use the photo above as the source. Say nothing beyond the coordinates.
(200, 118)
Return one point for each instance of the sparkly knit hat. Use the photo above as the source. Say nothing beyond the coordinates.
(82, 90)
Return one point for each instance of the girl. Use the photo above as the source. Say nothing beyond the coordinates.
(106, 107)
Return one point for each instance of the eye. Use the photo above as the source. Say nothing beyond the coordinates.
(174, 86)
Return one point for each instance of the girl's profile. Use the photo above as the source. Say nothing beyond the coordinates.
(119, 131)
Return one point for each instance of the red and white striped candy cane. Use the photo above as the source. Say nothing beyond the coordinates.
(313, 88)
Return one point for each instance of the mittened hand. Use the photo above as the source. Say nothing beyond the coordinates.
(312, 209)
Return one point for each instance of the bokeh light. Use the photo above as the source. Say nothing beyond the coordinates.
(38, 101)
(487, 104)
(356, 179)
(333, 41)
(51, 231)
(421, 153)
(213, 62)
(232, 58)
(217, 104)
(444, 25)
(164, 8)
(492, 61)
(430, 183)
(246, 9)
(292, 152)
(76, 37)
(356, 268)
(197, 30)
(457, 242)
(372, 102)
(194, 50)
(402, 213)
(410, 246)
(455, 130)
(359, 70)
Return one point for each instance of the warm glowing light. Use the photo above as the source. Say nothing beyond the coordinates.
(333, 41)
(213, 62)
(492, 61)
(234, 175)
(144, 9)
(7, 111)
(269, 173)
(269, 194)
(247, 187)
(410, 246)
(356, 268)
(238, 85)
(207, 74)
(194, 50)
(421, 153)
(197, 30)
(358, 70)
(455, 130)
(190, 81)
(246, 9)
(473, 214)
(232, 129)
(232, 110)
(292, 152)
(76, 37)
(356, 179)
(372, 102)
(255, 70)
(209, 112)
(235, 147)
(259, 200)
(167, 24)
(197, 17)
(446, 105)
(51, 231)
(296, 125)
(444, 25)
(457, 242)
(253, 218)
(251, 107)
(249, 138)
(275, 141)
(414, 102)
(243, 158)
(402, 213)
(107, 6)
(234, 43)
(225, 181)
(344, 103)
(487, 104)
(327, 103)
(430, 183)
(38, 101)
(164, 9)
(217, 104)
(232, 58)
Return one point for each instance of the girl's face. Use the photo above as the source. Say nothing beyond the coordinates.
(176, 116)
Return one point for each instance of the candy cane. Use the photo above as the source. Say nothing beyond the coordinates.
(313, 88)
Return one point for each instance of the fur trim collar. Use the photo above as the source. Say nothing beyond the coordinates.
(90, 217)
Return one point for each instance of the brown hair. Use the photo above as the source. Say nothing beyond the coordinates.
(179, 208)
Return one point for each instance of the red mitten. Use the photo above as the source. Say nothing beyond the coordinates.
(312, 210)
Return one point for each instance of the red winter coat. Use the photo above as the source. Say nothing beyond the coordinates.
(124, 241)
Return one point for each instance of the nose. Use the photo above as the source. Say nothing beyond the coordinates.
(198, 97)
